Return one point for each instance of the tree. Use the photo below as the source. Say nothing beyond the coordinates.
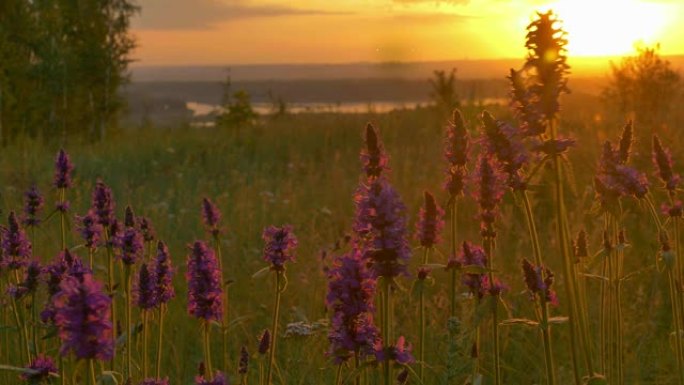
(444, 90)
(644, 86)
(236, 108)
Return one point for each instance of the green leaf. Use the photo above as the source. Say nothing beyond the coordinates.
(109, 378)
(18, 369)
(558, 320)
(434, 266)
(519, 321)
(261, 273)
(595, 276)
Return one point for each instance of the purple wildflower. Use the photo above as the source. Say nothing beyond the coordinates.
(489, 192)
(33, 205)
(546, 57)
(553, 147)
(380, 225)
(163, 274)
(494, 290)
(625, 146)
(264, 342)
(400, 352)
(280, 245)
(16, 248)
(211, 216)
(219, 379)
(504, 142)
(103, 204)
(204, 283)
(430, 222)
(351, 292)
(673, 211)
(523, 103)
(63, 206)
(423, 273)
(146, 229)
(129, 217)
(131, 243)
(373, 156)
(456, 154)
(539, 280)
(154, 381)
(115, 233)
(243, 365)
(473, 255)
(90, 229)
(83, 319)
(30, 282)
(615, 179)
(143, 290)
(42, 367)
(662, 159)
(63, 169)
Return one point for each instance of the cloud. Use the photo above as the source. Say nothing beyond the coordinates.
(433, 17)
(437, 2)
(203, 14)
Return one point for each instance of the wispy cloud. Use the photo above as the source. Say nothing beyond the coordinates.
(438, 2)
(203, 14)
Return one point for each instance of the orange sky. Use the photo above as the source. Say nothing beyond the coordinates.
(224, 32)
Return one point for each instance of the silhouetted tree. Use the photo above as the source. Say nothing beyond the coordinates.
(643, 86)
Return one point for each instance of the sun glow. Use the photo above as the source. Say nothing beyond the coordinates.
(610, 27)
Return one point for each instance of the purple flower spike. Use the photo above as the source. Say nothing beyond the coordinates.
(129, 217)
(103, 204)
(132, 245)
(504, 142)
(90, 229)
(523, 103)
(351, 292)
(380, 225)
(211, 216)
(539, 280)
(42, 367)
(400, 352)
(662, 159)
(63, 266)
(143, 290)
(430, 222)
(30, 282)
(33, 205)
(280, 246)
(204, 283)
(264, 342)
(163, 274)
(625, 145)
(63, 169)
(146, 229)
(473, 255)
(615, 179)
(16, 248)
(83, 319)
(243, 365)
(154, 381)
(489, 191)
(373, 156)
(456, 154)
(219, 379)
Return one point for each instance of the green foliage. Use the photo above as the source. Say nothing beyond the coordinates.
(643, 86)
(236, 109)
(61, 66)
(444, 91)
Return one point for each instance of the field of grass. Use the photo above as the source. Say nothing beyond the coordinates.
(303, 170)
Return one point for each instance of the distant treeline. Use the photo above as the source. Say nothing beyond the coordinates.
(61, 64)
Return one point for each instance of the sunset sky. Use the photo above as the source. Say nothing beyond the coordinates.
(220, 32)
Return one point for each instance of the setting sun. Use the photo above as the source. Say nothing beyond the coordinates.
(610, 27)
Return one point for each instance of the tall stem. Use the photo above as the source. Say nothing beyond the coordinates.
(488, 249)
(160, 340)
(224, 319)
(564, 250)
(91, 369)
(207, 350)
(62, 217)
(144, 342)
(274, 334)
(129, 334)
(387, 335)
(454, 215)
(421, 368)
(546, 329)
(112, 292)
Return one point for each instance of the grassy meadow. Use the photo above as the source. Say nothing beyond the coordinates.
(303, 170)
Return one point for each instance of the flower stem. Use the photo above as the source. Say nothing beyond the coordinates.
(338, 374)
(112, 292)
(62, 217)
(454, 213)
(129, 334)
(561, 218)
(488, 248)
(144, 343)
(207, 350)
(160, 340)
(91, 367)
(224, 319)
(421, 368)
(274, 334)
(387, 368)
